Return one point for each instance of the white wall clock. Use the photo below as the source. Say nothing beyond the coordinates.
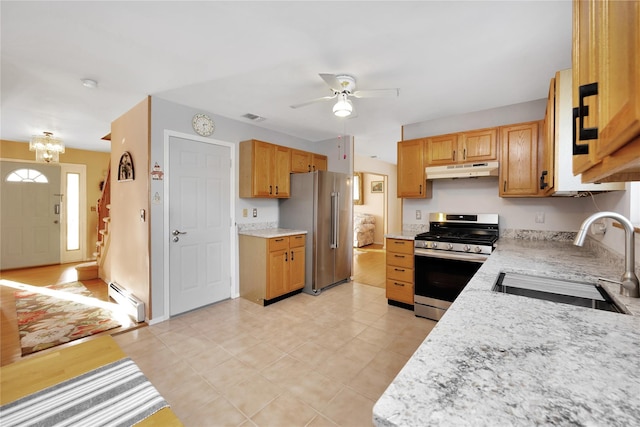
(203, 125)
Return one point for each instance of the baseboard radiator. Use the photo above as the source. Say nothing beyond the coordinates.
(132, 305)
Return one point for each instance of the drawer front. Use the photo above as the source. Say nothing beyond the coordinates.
(278, 244)
(400, 273)
(400, 246)
(400, 291)
(400, 260)
(297, 240)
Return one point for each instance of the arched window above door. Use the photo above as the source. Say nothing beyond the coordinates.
(27, 175)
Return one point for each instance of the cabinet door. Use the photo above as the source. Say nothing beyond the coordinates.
(442, 150)
(519, 160)
(617, 23)
(478, 146)
(411, 176)
(281, 171)
(300, 161)
(263, 185)
(296, 268)
(585, 71)
(278, 281)
(319, 162)
(549, 135)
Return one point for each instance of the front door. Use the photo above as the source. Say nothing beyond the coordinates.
(199, 223)
(30, 212)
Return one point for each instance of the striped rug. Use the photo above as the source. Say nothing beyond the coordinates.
(117, 394)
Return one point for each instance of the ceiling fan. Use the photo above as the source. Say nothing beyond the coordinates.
(343, 87)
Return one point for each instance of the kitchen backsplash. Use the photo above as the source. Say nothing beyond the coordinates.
(257, 226)
(510, 233)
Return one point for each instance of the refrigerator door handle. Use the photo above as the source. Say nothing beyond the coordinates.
(334, 221)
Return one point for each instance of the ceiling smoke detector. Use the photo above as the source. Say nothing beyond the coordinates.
(254, 117)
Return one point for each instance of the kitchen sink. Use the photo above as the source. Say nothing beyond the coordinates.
(556, 290)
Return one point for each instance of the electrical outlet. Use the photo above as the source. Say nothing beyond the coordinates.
(418, 214)
(244, 213)
(540, 217)
(255, 212)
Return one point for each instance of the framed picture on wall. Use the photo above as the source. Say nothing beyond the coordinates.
(125, 167)
(377, 186)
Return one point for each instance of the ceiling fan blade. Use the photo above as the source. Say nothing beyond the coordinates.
(332, 81)
(313, 101)
(376, 93)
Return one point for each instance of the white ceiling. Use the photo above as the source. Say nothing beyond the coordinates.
(232, 58)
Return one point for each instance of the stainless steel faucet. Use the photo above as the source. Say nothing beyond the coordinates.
(629, 283)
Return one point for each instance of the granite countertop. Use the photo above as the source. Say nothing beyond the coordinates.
(500, 359)
(269, 233)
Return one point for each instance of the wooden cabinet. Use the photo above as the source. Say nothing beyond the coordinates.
(519, 160)
(318, 162)
(463, 147)
(399, 286)
(478, 146)
(304, 161)
(606, 91)
(546, 184)
(412, 181)
(271, 267)
(264, 169)
(300, 161)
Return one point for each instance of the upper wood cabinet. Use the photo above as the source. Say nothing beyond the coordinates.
(319, 162)
(304, 161)
(464, 147)
(606, 92)
(412, 181)
(519, 160)
(547, 184)
(264, 169)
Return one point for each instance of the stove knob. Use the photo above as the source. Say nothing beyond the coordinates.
(466, 248)
(477, 249)
(449, 246)
(434, 245)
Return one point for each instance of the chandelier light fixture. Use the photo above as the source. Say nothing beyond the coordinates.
(47, 147)
(343, 107)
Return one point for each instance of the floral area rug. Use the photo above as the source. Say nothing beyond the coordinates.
(58, 314)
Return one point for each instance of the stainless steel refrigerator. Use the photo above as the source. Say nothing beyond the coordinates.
(321, 203)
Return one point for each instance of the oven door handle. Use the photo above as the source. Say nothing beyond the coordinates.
(462, 256)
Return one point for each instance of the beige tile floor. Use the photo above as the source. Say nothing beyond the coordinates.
(304, 361)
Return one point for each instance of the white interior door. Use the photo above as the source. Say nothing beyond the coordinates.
(199, 224)
(30, 214)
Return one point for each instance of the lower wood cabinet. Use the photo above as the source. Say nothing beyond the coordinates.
(399, 270)
(271, 268)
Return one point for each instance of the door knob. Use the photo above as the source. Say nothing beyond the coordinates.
(177, 232)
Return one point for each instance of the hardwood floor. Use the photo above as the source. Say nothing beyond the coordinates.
(369, 265)
(38, 276)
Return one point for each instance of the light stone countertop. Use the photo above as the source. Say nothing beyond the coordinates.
(405, 235)
(269, 233)
(503, 360)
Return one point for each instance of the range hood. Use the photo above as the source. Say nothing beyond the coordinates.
(469, 170)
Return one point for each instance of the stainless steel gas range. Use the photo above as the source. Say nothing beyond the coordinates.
(447, 256)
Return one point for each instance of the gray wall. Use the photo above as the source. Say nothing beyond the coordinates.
(481, 195)
(166, 115)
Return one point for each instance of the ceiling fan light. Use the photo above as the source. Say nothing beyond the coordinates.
(343, 107)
